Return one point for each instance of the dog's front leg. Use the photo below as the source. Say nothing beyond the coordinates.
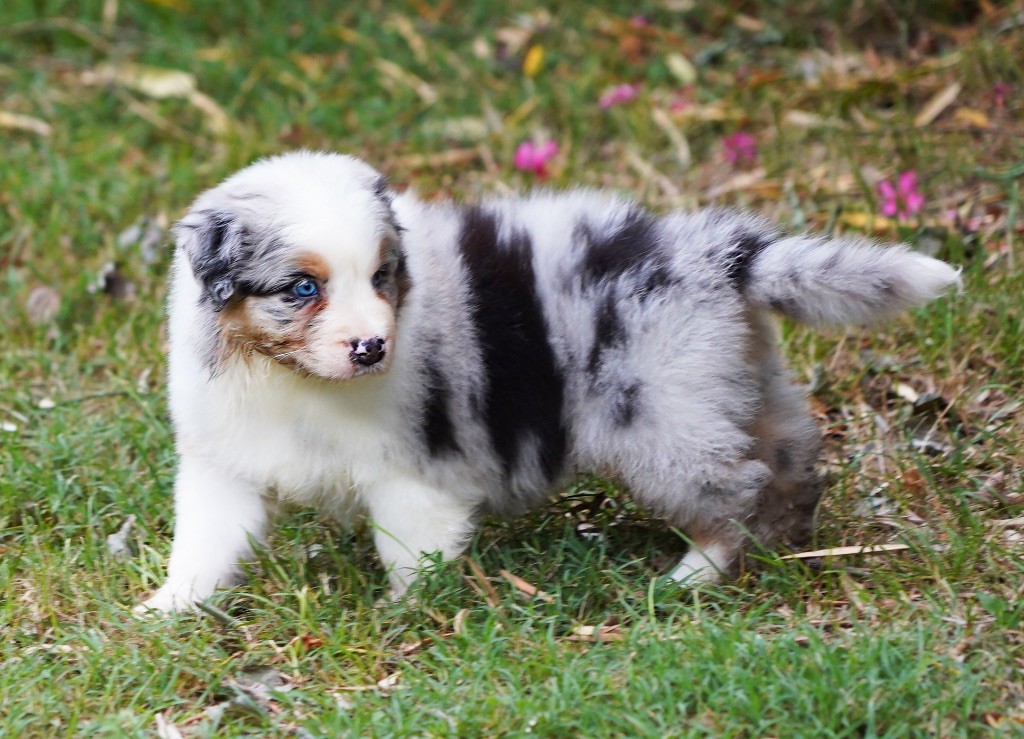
(412, 518)
(216, 517)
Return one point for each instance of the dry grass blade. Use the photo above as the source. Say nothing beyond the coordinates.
(459, 622)
(603, 634)
(19, 122)
(396, 74)
(682, 147)
(845, 551)
(481, 584)
(739, 182)
(936, 104)
(524, 587)
(1008, 523)
(448, 158)
(155, 82)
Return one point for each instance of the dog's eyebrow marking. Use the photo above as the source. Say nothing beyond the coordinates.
(438, 429)
(313, 265)
(518, 360)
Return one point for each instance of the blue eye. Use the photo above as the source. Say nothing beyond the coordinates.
(305, 289)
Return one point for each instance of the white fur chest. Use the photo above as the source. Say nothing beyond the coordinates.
(297, 439)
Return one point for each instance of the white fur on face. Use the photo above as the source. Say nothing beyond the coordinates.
(536, 336)
(253, 239)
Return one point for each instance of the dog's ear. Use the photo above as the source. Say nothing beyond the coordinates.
(212, 240)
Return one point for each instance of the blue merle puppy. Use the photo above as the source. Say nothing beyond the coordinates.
(423, 365)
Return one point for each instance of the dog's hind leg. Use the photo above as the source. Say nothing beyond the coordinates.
(787, 440)
(411, 518)
(710, 498)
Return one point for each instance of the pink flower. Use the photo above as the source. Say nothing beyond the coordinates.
(532, 157)
(1000, 92)
(739, 148)
(618, 95)
(902, 200)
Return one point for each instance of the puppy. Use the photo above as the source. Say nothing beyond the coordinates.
(423, 365)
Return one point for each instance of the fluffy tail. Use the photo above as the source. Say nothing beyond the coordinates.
(820, 280)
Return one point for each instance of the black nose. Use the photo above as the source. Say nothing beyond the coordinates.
(367, 351)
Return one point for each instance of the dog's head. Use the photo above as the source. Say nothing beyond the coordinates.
(300, 259)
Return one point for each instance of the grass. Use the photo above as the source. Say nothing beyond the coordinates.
(926, 641)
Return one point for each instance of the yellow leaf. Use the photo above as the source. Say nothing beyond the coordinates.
(866, 222)
(534, 60)
(681, 68)
(972, 117)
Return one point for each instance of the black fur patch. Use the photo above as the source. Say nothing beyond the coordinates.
(632, 252)
(783, 460)
(524, 386)
(633, 246)
(438, 430)
(627, 405)
(609, 332)
(741, 256)
(629, 263)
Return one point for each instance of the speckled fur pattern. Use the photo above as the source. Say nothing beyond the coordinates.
(525, 339)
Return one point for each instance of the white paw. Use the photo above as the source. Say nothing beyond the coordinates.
(166, 601)
(701, 567)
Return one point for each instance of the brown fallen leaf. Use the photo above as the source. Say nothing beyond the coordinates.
(524, 587)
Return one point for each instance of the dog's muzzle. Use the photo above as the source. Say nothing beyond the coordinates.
(367, 351)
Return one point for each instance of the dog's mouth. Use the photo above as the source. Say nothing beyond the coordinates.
(379, 368)
(343, 373)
